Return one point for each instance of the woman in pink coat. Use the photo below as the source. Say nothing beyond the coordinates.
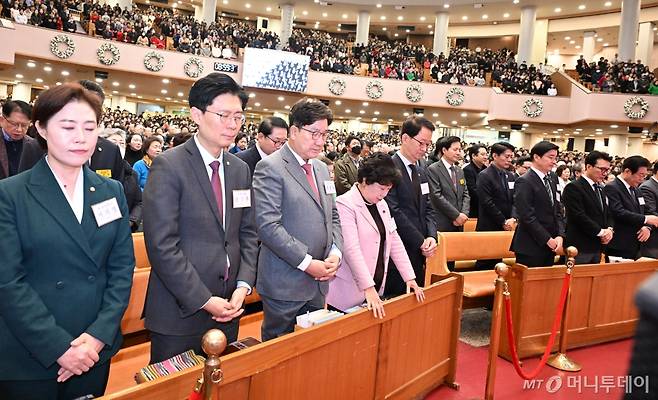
(370, 239)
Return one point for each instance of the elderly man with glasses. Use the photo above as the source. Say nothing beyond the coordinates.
(15, 122)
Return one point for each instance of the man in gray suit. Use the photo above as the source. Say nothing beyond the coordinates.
(448, 191)
(649, 191)
(199, 227)
(297, 222)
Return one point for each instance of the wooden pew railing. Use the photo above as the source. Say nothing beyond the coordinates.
(601, 308)
(457, 246)
(403, 356)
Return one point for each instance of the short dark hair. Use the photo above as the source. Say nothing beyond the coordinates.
(378, 168)
(350, 138)
(51, 101)
(521, 160)
(204, 91)
(94, 87)
(240, 136)
(445, 143)
(332, 155)
(180, 139)
(474, 150)
(307, 111)
(149, 141)
(268, 123)
(412, 125)
(500, 147)
(542, 148)
(596, 155)
(16, 106)
(634, 163)
(561, 169)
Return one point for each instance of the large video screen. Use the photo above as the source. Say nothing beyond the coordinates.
(274, 69)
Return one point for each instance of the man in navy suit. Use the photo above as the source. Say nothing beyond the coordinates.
(272, 135)
(410, 204)
(540, 231)
(632, 227)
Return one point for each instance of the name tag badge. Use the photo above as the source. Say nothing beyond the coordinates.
(106, 211)
(329, 187)
(510, 185)
(424, 188)
(104, 172)
(640, 200)
(557, 196)
(241, 198)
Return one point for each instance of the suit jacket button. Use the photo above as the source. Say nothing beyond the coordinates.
(59, 285)
(91, 278)
(225, 244)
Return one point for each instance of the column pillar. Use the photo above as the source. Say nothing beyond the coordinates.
(198, 12)
(617, 145)
(526, 34)
(22, 91)
(209, 11)
(118, 101)
(635, 146)
(362, 27)
(630, 19)
(287, 18)
(644, 48)
(3, 91)
(578, 143)
(441, 42)
(589, 42)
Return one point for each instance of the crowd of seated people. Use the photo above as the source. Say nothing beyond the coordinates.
(617, 76)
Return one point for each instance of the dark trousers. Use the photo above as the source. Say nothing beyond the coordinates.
(92, 382)
(279, 316)
(485, 265)
(588, 258)
(544, 259)
(632, 253)
(167, 346)
(395, 286)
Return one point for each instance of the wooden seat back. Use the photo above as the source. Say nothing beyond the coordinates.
(141, 257)
(132, 319)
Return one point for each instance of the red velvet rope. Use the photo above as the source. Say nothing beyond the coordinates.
(551, 339)
(194, 396)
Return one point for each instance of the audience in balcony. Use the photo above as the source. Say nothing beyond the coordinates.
(617, 76)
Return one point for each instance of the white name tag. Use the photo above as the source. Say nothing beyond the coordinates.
(106, 211)
(510, 185)
(557, 196)
(241, 198)
(329, 187)
(640, 200)
(424, 188)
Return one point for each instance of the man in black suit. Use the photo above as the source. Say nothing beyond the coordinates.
(272, 135)
(632, 227)
(589, 223)
(106, 159)
(496, 188)
(478, 156)
(522, 165)
(409, 202)
(540, 231)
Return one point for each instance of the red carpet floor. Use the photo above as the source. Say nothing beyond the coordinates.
(602, 363)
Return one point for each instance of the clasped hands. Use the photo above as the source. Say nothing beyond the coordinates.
(555, 244)
(80, 357)
(460, 220)
(223, 310)
(323, 270)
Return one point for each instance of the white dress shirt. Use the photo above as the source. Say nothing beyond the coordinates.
(406, 164)
(77, 202)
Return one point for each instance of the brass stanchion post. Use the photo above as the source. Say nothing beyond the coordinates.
(213, 344)
(560, 360)
(501, 289)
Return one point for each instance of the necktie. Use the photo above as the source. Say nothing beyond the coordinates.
(453, 175)
(216, 183)
(547, 184)
(309, 177)
(597, 190)
(503, 179)
(415, 182)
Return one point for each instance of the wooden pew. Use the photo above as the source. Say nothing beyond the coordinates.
(601, 308)
(132, 321)
(458, 246)
(470, 225)
(402, 356)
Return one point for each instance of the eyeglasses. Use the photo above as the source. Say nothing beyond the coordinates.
(278, 143)
(239, 119)
(17, 125)
(603, 169)
(317, 135)
(421, 143)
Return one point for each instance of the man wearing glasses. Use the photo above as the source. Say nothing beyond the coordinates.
(410, 204)
(272, 135)
(589, 222)
(297, 221)
(199, 227)
(14, 122)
